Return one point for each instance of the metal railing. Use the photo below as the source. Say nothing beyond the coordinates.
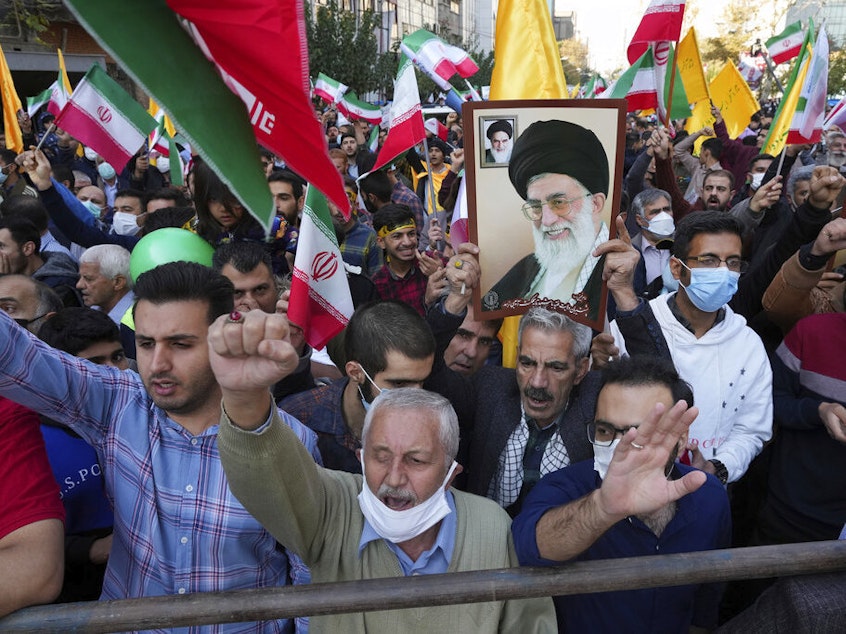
(430, 590)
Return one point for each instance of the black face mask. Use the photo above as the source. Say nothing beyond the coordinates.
(24, 323)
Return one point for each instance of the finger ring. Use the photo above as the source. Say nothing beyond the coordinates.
(234, 317)
(458, 264)
(636, 446)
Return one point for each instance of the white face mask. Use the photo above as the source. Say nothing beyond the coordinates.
(662, 224)
(163, 164)
(125, 224)
(400, 526)
(602, 457)
(755, 183)
(367, 404)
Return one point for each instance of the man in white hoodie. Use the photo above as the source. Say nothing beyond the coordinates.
(722, 359)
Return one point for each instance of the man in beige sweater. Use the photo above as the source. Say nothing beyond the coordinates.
(401, 518)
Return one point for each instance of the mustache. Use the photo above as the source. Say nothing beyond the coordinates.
(537, 394)
(386, 491)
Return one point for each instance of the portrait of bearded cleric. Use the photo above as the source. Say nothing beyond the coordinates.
(563, 183)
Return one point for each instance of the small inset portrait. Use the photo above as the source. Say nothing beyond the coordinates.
(499, 136)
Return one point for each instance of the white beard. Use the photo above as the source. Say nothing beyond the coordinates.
(562, 256)
(501, 156)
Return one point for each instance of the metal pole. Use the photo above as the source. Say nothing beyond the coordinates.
(431, 590)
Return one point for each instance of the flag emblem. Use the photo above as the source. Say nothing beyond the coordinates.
(324, 265)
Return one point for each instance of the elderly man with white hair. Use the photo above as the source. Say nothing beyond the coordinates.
(104, 280)
(400, 518)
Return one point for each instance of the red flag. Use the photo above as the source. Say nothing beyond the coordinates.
(437, 128)
(662, 21)
(240, 38)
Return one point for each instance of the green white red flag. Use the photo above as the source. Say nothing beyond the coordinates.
(636, 85)
(807, 123)
(436, 58)
(328, 89)
(354, 108)
(787, 44)
(34, 104)
(661, 22)
(105, 118)
(406, 129)
(320, 303)
(593, 88)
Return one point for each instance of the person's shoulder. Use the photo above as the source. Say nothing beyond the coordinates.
(472, 508)
(303, 403)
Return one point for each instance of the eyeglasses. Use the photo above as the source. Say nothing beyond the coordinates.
(559, 205)
(602, 434)
(734, 263)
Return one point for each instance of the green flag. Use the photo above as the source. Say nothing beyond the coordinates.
(146, 38)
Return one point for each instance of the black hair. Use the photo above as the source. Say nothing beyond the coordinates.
(392, 215)
(132, 193)
(759, 157)
(167, 193)
(26, 207)
(244, 256)
(378, 184)
(714, 146)
(74, 329)
(209, 187)
(703, 222)
(287, 176)
(22, 231)
(646, 370)
(183, 282)
(376, 328)
(8, 156)
(721, 173)
(167, 217)
(63, 173)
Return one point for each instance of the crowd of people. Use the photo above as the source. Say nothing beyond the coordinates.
(167, 430)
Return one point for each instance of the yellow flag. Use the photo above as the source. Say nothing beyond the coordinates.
(11, 105)
(780, 126)
(508, 337)
(527, 62)
(698, 119)
(731, 94)
(65, 81)
(690, 68)
(575, 92)
(153, 109)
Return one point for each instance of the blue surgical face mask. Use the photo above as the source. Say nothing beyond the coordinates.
(710, 289)
(106, 171)
(95, 210)
(364, 401)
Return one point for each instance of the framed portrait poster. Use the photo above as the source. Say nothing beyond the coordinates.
(554, 198)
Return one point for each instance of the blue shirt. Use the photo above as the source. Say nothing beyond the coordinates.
(178, 529)
(431, 562)
(702, 522)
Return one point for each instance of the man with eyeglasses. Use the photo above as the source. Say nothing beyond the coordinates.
(723, 360)
(633, 499)
(561, 170)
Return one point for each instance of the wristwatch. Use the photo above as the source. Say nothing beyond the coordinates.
(720, 470)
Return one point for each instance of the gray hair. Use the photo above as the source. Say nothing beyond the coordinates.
(550, 321)
(647, 197)
(798, 175)
(412, 398)
(112, 258)
(48, 300)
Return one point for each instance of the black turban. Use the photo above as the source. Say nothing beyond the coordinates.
(501, 125)
(559, 147)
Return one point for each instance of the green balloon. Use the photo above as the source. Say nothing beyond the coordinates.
(170, 244)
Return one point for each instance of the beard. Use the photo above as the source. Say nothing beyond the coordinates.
(567, 253)
(501, 156)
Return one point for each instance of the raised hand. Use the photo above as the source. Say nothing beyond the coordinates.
(621, 259)
(826, 183)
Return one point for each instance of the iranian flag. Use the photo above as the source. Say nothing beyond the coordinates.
(787, 44)
(104, 117)
(807, 123)
(62, 90)
(328, 89)
(436, 58)
(663, 54)
(354, 108)
(34, 104)
(373, 140)
(837, 116)
(320, 295)
(661, 22)
(636, 85)
(406, 129)
(594, 87)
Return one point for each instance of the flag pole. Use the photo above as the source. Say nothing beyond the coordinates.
(430, 186)
(50, 128)
(772, 72)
